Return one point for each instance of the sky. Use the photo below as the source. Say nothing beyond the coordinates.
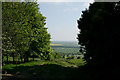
(61, 19)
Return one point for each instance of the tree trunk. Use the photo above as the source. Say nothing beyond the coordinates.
(26, 56)
(27, 59)
(3, 60)
(24, 60)
(33, 58)
(18, 59)
(13, 57)
(7, 58)
(21, 58)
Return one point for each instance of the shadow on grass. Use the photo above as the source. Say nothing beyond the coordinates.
(17, 62)
(57, 72)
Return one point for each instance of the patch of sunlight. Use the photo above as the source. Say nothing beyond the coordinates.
(56, 44)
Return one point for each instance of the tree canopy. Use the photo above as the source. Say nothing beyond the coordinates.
(24, 32)
(100, 32)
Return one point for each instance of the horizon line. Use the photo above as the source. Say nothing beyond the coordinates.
(56, 40)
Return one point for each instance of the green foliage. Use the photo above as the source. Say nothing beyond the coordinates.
(24, 31)
(99, 33)
(57, 55)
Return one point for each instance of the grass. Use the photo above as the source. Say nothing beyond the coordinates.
(78, 62)
(49, 69)
(62, 62)
(60, 69)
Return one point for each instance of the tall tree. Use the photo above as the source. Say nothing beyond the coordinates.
(100, 32)
(24, 30)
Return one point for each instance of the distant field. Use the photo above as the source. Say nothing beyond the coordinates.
(55, 44)
(65, 47)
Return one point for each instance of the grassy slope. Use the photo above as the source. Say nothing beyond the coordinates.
(62, 69)
(49, 69)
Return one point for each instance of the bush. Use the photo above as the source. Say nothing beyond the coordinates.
(57, 55)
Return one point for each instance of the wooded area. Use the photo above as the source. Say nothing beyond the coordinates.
(25, 36)
(100, 34)
(24, 33)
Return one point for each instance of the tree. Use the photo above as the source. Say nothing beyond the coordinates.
(99, 33)
(24, 31)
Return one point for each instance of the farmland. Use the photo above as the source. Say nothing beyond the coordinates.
(65, 47)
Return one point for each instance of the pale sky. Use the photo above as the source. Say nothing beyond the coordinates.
(61, 19)
(65, 0)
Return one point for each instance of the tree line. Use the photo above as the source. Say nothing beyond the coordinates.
(24, 33)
